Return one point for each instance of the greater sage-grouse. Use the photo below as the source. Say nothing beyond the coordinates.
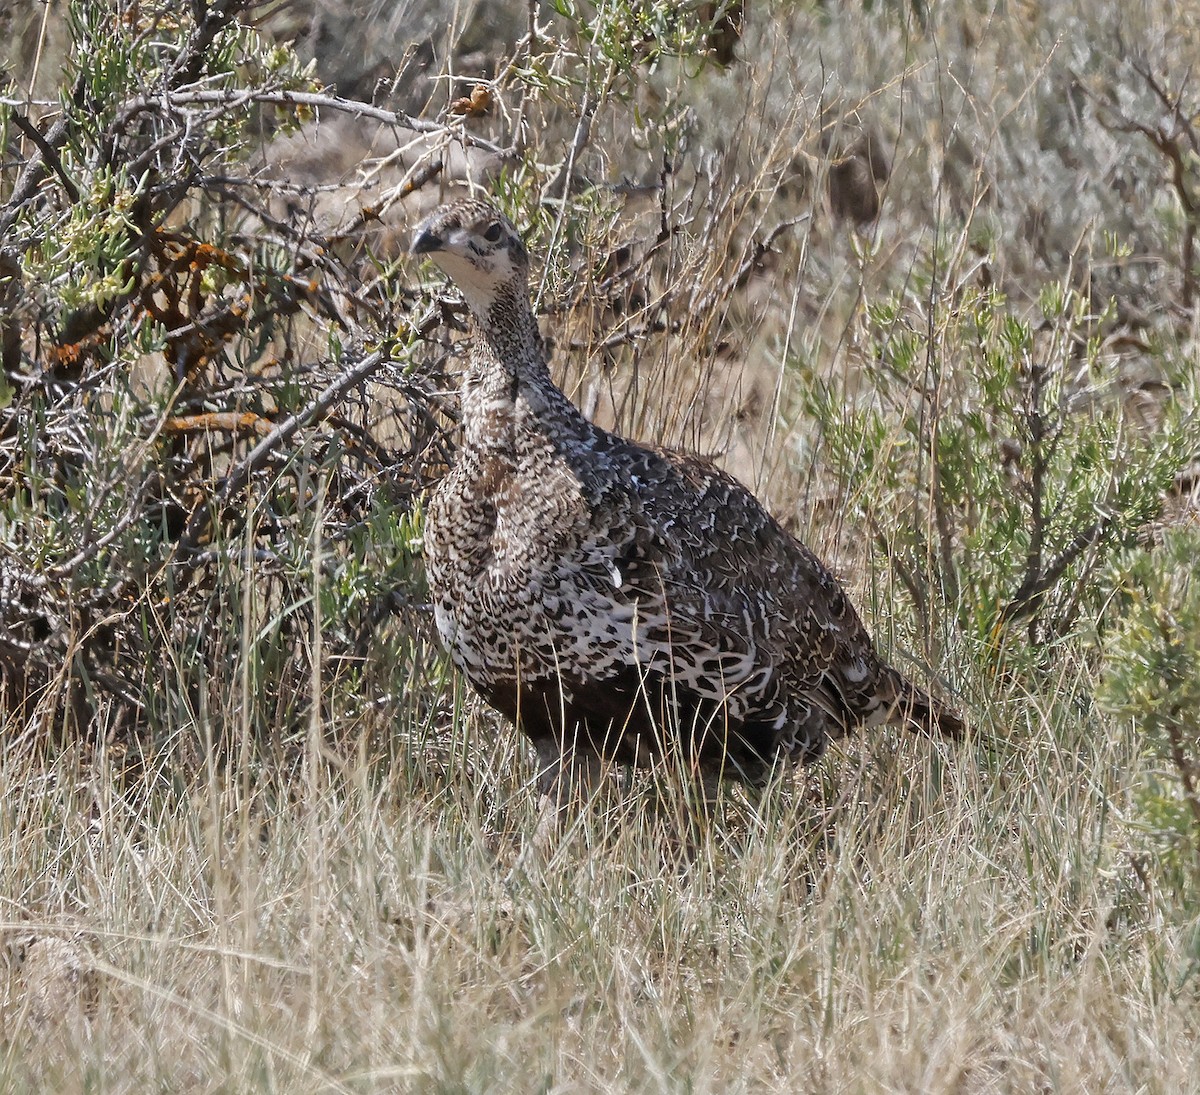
(620, 602)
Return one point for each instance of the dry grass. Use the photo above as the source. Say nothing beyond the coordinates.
(914, 920)
(308, 875)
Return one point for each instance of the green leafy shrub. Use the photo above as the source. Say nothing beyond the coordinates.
(1151, 678)
(155, 362)
(1003, 444)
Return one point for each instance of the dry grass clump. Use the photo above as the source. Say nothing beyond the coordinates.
(924, 279)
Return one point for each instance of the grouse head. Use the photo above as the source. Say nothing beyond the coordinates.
(479, 249)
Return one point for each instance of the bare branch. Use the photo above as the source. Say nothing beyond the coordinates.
(49, 153)
(258, 456)
(317, 101)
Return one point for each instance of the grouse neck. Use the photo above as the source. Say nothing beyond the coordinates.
(507, 387)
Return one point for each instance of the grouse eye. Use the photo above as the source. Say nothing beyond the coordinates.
(493, 232)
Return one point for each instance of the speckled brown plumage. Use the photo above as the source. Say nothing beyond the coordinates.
(616, 600)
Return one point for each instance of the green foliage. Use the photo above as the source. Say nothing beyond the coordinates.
(123, 167)
(1025, 493)
(1151, 677)
(87, 257)
(629, 33)
(1014, 469)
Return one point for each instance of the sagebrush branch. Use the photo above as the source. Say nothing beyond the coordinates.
(258, 456)
(315, 101)
(36, 167)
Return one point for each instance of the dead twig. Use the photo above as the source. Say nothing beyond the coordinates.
(225, 421)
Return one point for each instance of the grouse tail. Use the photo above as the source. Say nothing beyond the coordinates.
(920, 711)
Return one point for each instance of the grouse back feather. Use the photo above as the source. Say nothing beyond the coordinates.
(619, 601)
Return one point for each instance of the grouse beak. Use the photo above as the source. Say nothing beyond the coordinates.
(425, 241)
